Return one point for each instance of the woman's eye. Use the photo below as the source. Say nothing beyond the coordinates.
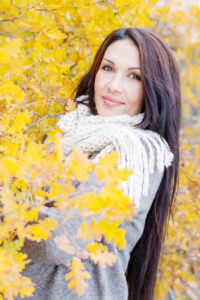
(107, 68)
(135, 76)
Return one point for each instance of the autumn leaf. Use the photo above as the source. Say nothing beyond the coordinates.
(76, 277)
(111, 231)
(103, 256)
(65, 244)
(79, 165)
(90, 232)
(41, 230)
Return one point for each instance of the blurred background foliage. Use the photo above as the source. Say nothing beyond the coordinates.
(45, 48)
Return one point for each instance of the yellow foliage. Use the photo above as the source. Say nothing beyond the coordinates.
(111, 232)
(64, 244)
(181, 258)
(45, 48)
(99, 253)
(41, 230)
(80, 167)
(89, 232)
(76, 277)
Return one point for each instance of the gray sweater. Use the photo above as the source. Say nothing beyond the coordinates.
(47, 270)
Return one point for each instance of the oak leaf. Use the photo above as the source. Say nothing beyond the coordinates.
(77, 276)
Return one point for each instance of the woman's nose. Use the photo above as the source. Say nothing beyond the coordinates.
(115, 83)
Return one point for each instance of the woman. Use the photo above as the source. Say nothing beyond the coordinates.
(133, 83)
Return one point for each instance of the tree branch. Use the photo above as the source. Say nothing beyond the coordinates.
(43, 118)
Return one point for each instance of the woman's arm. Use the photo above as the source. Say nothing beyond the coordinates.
(134, 229)
(46, 251)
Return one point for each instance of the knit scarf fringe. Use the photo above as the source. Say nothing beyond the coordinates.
(140, 150)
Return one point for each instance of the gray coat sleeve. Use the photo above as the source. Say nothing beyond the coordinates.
(134, 229)
(47, 251)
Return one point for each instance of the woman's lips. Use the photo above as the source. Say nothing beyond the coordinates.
(111, 102)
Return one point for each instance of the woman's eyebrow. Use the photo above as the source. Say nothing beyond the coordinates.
(131, 68)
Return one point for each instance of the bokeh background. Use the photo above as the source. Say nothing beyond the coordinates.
(45, 48)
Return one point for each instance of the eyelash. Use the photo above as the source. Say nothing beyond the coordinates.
(137, 77)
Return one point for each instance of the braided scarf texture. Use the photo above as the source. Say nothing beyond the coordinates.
(140, 150)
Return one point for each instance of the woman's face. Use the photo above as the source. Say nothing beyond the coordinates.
(117, 87)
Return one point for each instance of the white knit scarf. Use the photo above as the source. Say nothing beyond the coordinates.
(140, 150)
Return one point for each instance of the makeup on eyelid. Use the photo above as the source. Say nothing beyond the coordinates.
(137, 77)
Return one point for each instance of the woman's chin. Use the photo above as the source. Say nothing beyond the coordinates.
(107, 112)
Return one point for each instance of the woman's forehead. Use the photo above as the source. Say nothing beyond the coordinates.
(123, 52)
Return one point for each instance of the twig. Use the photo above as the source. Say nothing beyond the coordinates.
(43, 118)
(8, 20)
(4, 34)
(47, 103)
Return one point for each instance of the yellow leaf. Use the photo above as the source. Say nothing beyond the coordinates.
(76, 277)
(109, 160)
(79, 165)
(71, 105)
(92, 248)
(103, 257)
(90, 232)
(42, 229)
(65, 244)
(111, 232)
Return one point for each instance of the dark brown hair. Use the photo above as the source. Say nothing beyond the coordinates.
(162, 114)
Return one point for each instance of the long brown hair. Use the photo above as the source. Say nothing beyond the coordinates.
(162, 114)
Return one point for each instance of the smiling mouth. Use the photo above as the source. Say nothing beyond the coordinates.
(111, 102)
